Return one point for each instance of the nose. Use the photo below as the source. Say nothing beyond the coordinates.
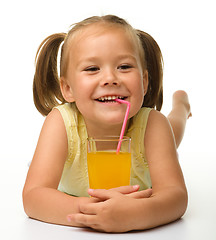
(109, 78)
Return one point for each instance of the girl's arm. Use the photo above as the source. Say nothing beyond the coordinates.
(41, 198)
(119, 213)
(169, 198)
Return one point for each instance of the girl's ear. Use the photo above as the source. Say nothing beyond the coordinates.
(145, 81)
(66, 90)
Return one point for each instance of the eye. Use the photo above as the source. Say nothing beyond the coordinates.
(92, 69)
(124, 67)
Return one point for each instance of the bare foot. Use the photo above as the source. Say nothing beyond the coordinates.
(180, 98)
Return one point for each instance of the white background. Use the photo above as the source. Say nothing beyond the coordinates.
(184, 30)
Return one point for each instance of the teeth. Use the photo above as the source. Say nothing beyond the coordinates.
(109, 98)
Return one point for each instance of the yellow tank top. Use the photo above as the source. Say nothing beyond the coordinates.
(74, 180)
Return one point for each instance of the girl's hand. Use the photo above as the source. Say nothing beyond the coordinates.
(132, 191)
(82, 201)
(115, 211)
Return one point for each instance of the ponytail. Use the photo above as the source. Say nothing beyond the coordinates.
(46, 88)
(154, 61)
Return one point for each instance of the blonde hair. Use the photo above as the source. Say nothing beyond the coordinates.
(46, 86)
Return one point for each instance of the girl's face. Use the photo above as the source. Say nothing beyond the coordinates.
(104, 64)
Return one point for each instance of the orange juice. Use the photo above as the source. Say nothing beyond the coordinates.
(107, 169)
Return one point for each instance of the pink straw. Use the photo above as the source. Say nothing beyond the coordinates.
(124, 122)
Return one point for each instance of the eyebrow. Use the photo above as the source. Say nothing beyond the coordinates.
(127, 56)
(119, 57)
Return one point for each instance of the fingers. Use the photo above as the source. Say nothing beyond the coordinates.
(90, 209)
(102, 194)
(142, 194)
(72, 222)
(127, 189)
(83, 220)
(87, 217)
(131, 191)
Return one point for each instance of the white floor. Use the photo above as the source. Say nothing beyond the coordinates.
(198, 222)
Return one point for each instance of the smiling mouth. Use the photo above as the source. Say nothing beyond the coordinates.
(109, 98)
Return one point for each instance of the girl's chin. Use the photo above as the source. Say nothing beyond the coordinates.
(111, 121)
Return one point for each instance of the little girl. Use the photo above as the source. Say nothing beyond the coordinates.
(103, 58)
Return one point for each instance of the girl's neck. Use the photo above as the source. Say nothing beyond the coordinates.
(95, 131)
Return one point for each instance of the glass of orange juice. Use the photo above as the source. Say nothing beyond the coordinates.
(108, 168)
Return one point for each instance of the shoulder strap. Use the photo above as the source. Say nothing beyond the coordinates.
(69, 114)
